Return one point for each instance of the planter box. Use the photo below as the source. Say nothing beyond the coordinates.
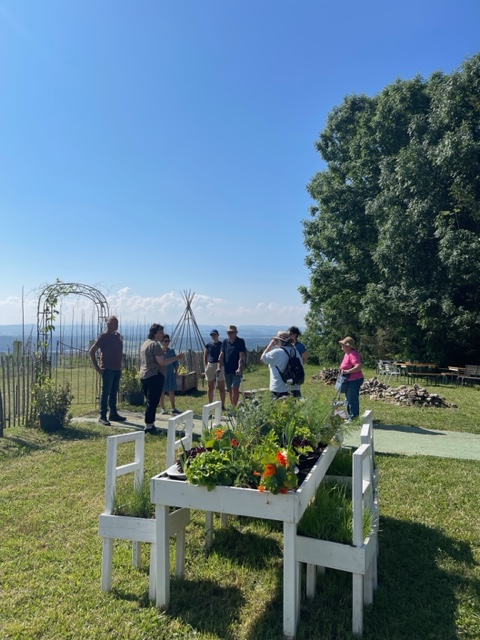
(50, 422)
(288, 508)
(187, 382)
(136, 398)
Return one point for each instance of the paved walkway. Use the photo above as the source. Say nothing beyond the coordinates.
(398, 439)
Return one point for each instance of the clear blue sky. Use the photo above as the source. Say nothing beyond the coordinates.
(149, 147)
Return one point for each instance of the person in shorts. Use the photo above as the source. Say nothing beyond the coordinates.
(211, 356)
(232, 358)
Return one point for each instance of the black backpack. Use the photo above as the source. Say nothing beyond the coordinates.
(293, 372)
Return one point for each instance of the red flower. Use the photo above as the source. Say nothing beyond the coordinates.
(283, 490)
(282, 459)
(234, 442)
(270, 470)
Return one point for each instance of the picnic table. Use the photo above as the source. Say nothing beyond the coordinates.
(423, 370)
(451, 373)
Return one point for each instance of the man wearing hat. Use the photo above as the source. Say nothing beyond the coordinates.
(232, 358)
(276, 355)
(352, 365)
(210, 359)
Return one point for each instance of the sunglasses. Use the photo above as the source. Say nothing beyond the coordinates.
(166, 340)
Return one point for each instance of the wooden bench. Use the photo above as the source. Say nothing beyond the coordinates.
(471, 372)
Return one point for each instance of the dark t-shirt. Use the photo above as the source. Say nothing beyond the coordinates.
(111, 346)
(214, 349)
(231, 352)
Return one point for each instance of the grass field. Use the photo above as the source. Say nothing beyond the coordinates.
(52, 491)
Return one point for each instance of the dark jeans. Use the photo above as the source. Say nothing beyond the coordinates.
(110, 385)
(352, 395)
(152, 390)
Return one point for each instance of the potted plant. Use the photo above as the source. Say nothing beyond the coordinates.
(131, 386)
(51, 403)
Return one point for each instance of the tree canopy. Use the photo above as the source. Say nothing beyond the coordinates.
(393, 243)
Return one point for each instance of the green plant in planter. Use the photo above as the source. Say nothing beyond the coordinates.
(132, 502)
(130, 381)
(131, 387)
(330, 516)
(50, 400)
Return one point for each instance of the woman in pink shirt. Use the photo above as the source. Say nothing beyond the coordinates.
(352, 364)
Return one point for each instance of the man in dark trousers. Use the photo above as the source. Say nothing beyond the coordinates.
(232, 358)
(110, 368)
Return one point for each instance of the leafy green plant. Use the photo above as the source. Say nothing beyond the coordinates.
(47, 398)
(130, 381)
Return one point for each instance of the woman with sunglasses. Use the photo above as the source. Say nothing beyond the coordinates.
(170, 384)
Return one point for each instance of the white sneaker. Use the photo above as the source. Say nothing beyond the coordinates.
(163, 412)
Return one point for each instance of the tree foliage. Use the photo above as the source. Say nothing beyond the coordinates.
(393, 243)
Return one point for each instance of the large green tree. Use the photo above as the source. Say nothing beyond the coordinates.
(393, 244)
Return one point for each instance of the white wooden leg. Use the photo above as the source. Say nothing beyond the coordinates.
(311, 580)
(368, 585)
(357, 603)
(208, 529)
(107, 563)
(180, 555)
(137, 554)
(152, 574)
(290, 579)
(162, 563)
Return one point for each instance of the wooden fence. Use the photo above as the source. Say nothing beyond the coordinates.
(17, 376)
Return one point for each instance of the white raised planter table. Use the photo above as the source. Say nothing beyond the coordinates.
(288, 508)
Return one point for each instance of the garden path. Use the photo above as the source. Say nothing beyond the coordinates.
(397, 439)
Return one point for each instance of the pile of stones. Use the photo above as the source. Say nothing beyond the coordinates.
(404, 395)
(328, 376)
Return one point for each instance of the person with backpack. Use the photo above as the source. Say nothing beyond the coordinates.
(283, 360)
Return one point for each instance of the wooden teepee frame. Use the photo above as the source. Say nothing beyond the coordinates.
(186, 337)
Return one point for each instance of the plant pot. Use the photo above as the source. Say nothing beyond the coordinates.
(50, 422)
(186, 382)
(134, 397)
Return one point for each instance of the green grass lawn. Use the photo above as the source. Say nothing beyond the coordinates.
(464, 418)
(52, 492)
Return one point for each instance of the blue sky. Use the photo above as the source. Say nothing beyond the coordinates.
(149, 147)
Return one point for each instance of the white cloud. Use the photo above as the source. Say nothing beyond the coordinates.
(167, 308)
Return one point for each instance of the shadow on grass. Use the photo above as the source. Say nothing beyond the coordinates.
(30, 439)
(203, 605)
(406, 429)
(416, 598)
(245, 548)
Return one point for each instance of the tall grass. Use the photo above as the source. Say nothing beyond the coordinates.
(52, 494)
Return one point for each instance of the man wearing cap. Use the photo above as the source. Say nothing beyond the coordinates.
(276, 355)
(352, 365)
(210, 359)
(232, 358)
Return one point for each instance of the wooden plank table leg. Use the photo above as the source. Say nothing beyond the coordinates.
(162, 559)
(290, 580)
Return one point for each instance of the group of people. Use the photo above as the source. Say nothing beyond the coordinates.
(224, 366)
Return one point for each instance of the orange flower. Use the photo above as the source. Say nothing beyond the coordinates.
(260, 488)
(256, 473)
(283, 490)
(282, 459)
(234, 442)
(218, 433)
(270, 470)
